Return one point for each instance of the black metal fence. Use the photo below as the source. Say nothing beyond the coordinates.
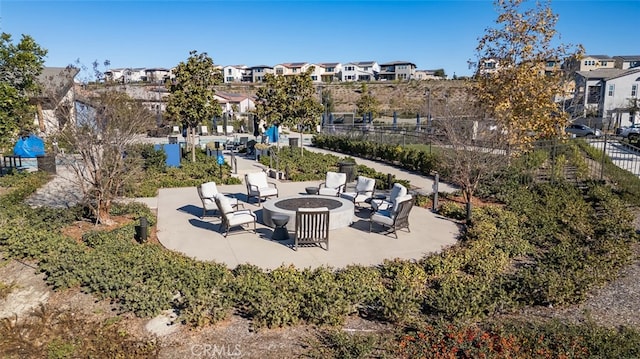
(573, 158)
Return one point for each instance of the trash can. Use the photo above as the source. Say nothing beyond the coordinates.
(293, 141)
(47, 164)
(349, 168)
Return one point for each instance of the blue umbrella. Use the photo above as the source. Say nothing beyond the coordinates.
(395, 120)
(418, 122)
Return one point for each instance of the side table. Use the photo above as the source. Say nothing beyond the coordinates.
(311, 190)
(280, 232)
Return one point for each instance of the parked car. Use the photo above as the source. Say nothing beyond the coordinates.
(631, 132)
(582, 130)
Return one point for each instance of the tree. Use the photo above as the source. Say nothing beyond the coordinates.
(20, 66)
(327, 101)
(367, 103)
(191, 98)
(103, 139)
(471, 151)
(440, 73)
(289, 100)
(519, 95)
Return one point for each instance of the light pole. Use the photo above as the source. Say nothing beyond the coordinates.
(428, 109)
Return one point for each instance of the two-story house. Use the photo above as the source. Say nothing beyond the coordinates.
(608, 93)
(590, 62)
(157, 75)
(397, 70)
(327, 72)
(627, 62)
(125, 75)
(360, 71)
(234, 102)
(258, 72)
(291, 68)
(236, 73)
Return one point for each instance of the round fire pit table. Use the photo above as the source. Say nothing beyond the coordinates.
(311, 190)
(280, 232)
(340, 210)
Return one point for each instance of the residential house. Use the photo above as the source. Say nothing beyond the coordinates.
(56, 105)
(292, 68)
(157, 75)
(236, 73)
(125, 75)
(590, 62)
(397, 70)
(235, 103)
(360, 71)
(258, 72)
(427, 75)
(609, 94)
(326, 72)
(627, 62)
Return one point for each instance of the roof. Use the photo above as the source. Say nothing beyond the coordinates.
(293, 64)
(599, 57)
(606, 74)
(628, 57)
(157, 69)
(57, 80)
(329, 64)
(395, 63)
(261, 67)
(230, 96)
(365, 63)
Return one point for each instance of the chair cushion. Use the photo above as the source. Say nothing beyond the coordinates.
(401, 199)
(365, 184)
(258, 179)
(223, 204)
(380, 204)
(268, 191)
(397, 191)
(328, 191)
(383, 217)
(239, 218)
(335, 179)
(209, 189)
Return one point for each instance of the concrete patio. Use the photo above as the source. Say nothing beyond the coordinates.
(180, 229)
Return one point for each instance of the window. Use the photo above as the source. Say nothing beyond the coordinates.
(294, 70)
(258, 70)
(603, 63)
(314, 78)
(634, 90)
(279, 71)
(230, 79)
(228, 71)
(611, 88)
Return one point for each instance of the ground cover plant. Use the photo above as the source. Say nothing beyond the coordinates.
(512, 256)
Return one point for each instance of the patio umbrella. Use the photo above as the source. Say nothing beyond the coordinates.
(395, 120)
(215, 124)
(418, 122)
(370, 117)
(322, 120)
(224, 123)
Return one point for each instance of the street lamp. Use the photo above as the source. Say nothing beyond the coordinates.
(428, 109)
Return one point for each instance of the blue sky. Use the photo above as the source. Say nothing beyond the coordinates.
(431, 34)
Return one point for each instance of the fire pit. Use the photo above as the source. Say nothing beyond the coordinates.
(340, 209)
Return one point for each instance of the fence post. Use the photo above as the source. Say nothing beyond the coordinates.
(436, 180)
(604, 154)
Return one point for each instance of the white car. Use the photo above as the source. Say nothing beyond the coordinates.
(631, 132)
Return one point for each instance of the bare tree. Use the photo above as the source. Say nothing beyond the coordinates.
(100, 142)
(472, 149)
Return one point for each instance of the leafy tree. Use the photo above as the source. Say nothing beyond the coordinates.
(439, 73)
(289, 100)
(327, 101)
(367, 103)
(191, 98)
(102, 138)
(519, 95)
(20, 66)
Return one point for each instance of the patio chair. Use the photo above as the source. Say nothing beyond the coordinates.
(333, 185)
(395, 218)
(312, 227)
(258, 187)
(233, 218)
(365, 187)
(207, 191)
(398, 190)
